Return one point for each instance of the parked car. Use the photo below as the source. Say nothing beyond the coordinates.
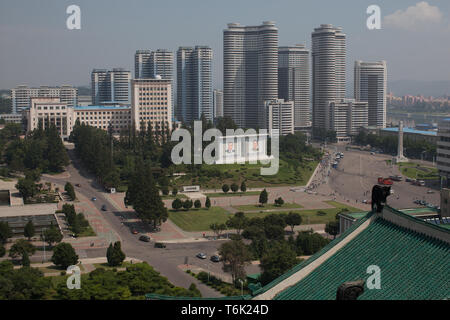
(144, 238)
(94, 199)
(134, 231)
(215, 258)
(430, 191)
(78, 185)
(104, 207)
(160, 245)
(201, 255)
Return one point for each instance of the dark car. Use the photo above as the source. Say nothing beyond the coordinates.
(144, 238)
(104, 207)
(94, 199)
(78, 185)
(160, 245)
(215, 258)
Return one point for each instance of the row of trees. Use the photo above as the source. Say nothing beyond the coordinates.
(187, 204)
(77, 222)
(234, 187)
(41, 150)
(137, 280)
(413, 149)
(268, 244)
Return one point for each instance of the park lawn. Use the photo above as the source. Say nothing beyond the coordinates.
(198, 219)
(88, 232)
(232, 194)
(287, 175)
(417, 171)
(253, 207)
(171, 197)
(53, 268)
(343, 206)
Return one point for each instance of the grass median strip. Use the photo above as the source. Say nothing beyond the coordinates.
(253, 207)
(198, 219)
(232, 194)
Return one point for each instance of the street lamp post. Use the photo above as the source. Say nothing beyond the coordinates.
(242, 287)
(43, 237)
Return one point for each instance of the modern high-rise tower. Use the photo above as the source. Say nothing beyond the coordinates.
(250, 72)
(218, 103)
(194, 83)
(111, 86)
(328, 72)
(142, 66)
(371, 85)
(293, 82)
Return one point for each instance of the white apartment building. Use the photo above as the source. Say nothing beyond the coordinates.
(279, 116)
(347, 116)
(294, 82)
(104, 117)
(371, 86)
(218, 103)
(110, 86)
(328, 72)
(250, 71)
(443, 151)
(46, 111)
(151, 101)
(21, 95)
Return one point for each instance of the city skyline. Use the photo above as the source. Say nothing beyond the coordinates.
(94, 45)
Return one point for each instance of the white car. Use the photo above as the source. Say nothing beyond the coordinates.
(392, 191)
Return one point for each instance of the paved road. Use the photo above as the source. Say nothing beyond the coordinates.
(165, 261)
(358, 172)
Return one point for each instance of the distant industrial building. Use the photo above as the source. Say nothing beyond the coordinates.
(411, 134)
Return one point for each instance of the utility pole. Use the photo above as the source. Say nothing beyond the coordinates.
(43, 237)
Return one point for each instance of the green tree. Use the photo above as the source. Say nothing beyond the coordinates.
(197, 204)
(64, 255)
(263, 197)
(293, 219)
(207, 203)
(52, 235)
(279, 201)
(225, 188)
(234, 187)
(174, 191)
(29, 231)
(22, 248)
(25, 259)
(165, 190)
(332, 228)
(177, 204)
(238, 222)
(276, 261)
(236, 255)
(5, 232)
(115, 255)
(70, 191)
(2, 250)
(187, 204)
(143, 194)
(27, 188)
(243, 186)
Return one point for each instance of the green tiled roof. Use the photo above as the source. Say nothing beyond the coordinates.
(413, 266)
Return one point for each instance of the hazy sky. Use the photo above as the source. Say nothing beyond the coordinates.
(36, 48)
